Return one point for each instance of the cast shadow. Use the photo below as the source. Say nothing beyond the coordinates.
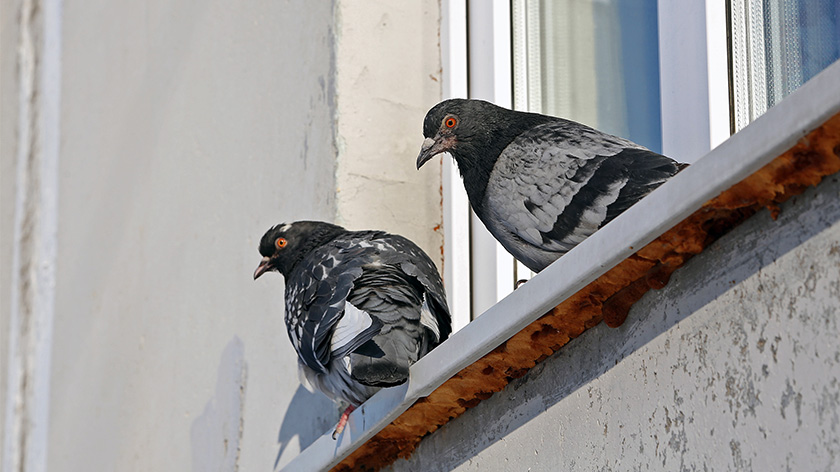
(308, 416)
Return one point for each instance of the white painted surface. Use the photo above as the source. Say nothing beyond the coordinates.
(456, 205)
(9, 113)
(693, 77)
(387, 76)
(490, 78)
(187, 130)
(34, 240)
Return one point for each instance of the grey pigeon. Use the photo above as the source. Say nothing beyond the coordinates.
(361, 306)
(540, 184)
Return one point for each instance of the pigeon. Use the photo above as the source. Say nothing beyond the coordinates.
(361, 306)
(540, 184)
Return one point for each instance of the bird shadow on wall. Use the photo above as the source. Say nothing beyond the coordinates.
(723, 266)
(308, 416)
(216, 434)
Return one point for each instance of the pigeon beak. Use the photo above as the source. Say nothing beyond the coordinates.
(264, 267)
(432, 147)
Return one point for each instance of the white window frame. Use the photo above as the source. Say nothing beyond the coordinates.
(456, 206)
(693, 77)
(478, 272)
(491, 79)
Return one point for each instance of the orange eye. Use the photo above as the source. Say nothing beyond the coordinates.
(450, 122)
(280, 243)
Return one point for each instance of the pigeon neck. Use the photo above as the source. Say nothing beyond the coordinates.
(475, 176)
(316, 239)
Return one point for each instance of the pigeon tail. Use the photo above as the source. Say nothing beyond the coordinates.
(384, 361)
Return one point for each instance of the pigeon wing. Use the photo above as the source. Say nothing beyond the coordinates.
(316, 294)
(557, 183)
(412, 261)
(338, 297)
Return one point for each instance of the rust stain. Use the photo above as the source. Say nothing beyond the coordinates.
(608, 298)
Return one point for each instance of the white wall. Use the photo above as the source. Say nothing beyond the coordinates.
(387, 76)
(733, 366)
(186, 130)
(8, 128)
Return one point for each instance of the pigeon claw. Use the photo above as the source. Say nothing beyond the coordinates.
(342, 422)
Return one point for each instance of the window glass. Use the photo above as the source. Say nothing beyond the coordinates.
(777, 45)
(592, 61)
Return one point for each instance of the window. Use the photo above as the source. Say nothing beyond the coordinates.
(777, 45)
(595, 62)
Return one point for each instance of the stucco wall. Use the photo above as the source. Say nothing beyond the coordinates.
(186, 130)
(8, 127)
(387, 77)
(735, 365)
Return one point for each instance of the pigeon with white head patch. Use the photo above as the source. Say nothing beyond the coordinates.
(540, 184)
(361, 306)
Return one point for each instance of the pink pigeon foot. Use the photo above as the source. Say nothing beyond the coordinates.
(342, 422)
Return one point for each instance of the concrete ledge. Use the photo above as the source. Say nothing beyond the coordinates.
(793, 146)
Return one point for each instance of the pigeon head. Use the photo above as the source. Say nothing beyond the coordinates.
(286, 244)
(471, 130)
(451, 126)
(474, 132)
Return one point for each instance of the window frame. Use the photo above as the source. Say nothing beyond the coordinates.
(478, 63)
(693, 77)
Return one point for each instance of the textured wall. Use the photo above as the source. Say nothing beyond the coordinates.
(734, 365)
(9, 34)
(387, 77)
(186, 130)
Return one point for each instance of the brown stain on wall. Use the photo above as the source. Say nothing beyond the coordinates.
(608, 298)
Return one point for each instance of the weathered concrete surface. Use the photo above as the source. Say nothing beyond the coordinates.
(387, 77)
(735, 365)
(187, 130)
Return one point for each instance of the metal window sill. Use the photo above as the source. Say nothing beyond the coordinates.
(813, 106)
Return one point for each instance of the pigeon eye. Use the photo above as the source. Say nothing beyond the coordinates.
(280, 243)
(450, 122)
